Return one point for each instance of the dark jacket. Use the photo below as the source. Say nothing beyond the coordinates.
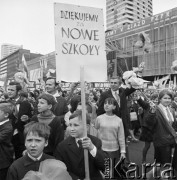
(60, 109)
(146, 107)
(68, 152)
(25, 109)
(24, 164)
(163, 133)
(6, 147)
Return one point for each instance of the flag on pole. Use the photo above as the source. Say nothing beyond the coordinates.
(24, 66)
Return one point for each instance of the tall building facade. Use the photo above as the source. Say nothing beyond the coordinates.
(11, 64)
(123, 12)
(162, 32)
(7, 49)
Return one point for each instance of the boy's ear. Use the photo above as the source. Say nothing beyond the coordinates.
(46, 143)
(50, 106)
(6, 115)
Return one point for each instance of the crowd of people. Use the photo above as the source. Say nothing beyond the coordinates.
(41, 128)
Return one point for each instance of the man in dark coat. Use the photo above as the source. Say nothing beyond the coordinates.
(13, 90)
(52, 87)
(120, 94)
(61, 107)
(71, 151)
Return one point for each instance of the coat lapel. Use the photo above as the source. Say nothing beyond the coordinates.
(74, 148)
(165, 120)
(166, 123)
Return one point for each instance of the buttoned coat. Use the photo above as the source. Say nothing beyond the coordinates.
(68, 152)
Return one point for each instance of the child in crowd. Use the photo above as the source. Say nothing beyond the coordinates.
(36, 138)
(111, 131)
(46, 103)
(71, 150)
(6, 132)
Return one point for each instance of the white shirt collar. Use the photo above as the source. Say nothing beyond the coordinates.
(162, 106)
(56, 95)
(3, 122)
(77, 139)
(35, 159)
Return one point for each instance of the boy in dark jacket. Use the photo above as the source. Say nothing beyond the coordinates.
(6, 132)
(36, 138)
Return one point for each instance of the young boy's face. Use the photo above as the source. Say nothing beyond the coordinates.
(35, 144)
(76, 128)
(3, 115)
(43, 105)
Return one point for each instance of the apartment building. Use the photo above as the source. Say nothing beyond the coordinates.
(123, 12)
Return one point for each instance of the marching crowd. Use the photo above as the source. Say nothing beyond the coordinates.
(44, 130)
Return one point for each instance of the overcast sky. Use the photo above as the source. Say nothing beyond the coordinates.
(31, 22)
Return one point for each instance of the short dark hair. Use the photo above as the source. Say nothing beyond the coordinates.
(49, 98)
(17, 84)
(78, 113)
(111, 100)
(74, 102)
(56, 83)
(41, 129)
(118, 78)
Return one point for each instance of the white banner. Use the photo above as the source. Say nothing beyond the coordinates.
(79, 41)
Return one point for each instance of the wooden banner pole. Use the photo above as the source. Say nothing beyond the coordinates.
(86, 160)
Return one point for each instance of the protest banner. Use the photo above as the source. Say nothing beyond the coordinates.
(79, 41)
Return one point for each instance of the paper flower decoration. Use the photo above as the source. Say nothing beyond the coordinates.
(128, 74)
(156, 84)
(141, 66)
(174, 66)
(136, 82)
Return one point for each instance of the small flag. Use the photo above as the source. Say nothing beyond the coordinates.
(24, 66)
